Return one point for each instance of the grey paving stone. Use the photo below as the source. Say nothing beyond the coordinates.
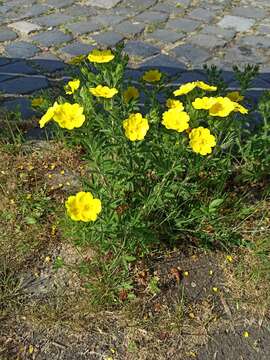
(84, 27)
(21, 49)
(7, 35)
(183, 25)
(109, 20)
(59, 4)
(165, 63)
(207, 41)
(181, 3)
(165, 36)
(255, 41)
(34, 10)
(77, 48)
(202, 14)
(51, 38)
(4, 61)
(129, 28)
(236, 22)
(226, 34)
(140, 49)
(250, 12)
(191, 53)
(24, 27)
(22, 105)
(17, 67)
(48, 63)
(243, 56)
(53, 19)
(189, 76)
(264, 29)
(23, 85)
(152, 17)
(109, 38)
(168, 8)
(80, 10)
(104, 4)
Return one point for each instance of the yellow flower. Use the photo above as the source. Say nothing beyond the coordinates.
(76, 60)
(48, 115)
(131, 93)
(204, 103)
(83, 207)
(37, 102)
(103, 91)
(175, 119)
(201, 140)
(235, 96)
(152, 76)
(222, 107)
(171, 104)
(246, 334)
(240, 108)
(72, 86)
(68, 116)
(202, 85)
(100, 56)
(185, 88)
(135, 127)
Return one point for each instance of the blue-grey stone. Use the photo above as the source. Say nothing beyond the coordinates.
(77, 48)
(51, 38)
(48, 63)
(152, 17)
(34, 10)
(128, 28)
(190, 53)
(236, 22)
(4, 61)
(80, 10)
(59, 4)
(18, 67)
(255, 41)
(23, 85)
(7, 35)
(108, 20)
(165, 36)
(207, 41)
(140, 49)
(226, 34)
(250, 12)
(22, 105)
(52, 20)
(104, 4)
(21, 49)
(183, 25)
(164, 63)
(202, 14)
(132, 74)
(4, 77)
(109, 38)
(84, 27)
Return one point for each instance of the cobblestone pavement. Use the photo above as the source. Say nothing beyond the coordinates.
(177, 35)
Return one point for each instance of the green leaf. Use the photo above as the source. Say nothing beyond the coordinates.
(30, 220)
(215, 204)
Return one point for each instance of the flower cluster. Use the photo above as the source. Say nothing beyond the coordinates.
(218, 106)
(201, 140)
(135, 127)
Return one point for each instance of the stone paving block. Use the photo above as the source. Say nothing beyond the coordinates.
(34, 10)
(207, 41)
(129, 28)
(243, 55)
(183, 25)
(4, 77)
(202, 14)
(7, 35)
(23, 85)
(21, 49)
(104, 4)
(22, 105)
(250, 12)
(165, 63)
(191, 53)
(48, 63)
(109, 20)
(226, 34)
(109, 38)
(168, 9)
(264, 29)
(25, 27)
(77, 48)
(190, 76)
(53, 20)
(84, 27)
(255, 41)
(51, 38)
(17, 67)
(165, 36)
(152, 17)
(59, 4)
(80, 10)
(140, 49)
(4, 61)
(236, 22)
